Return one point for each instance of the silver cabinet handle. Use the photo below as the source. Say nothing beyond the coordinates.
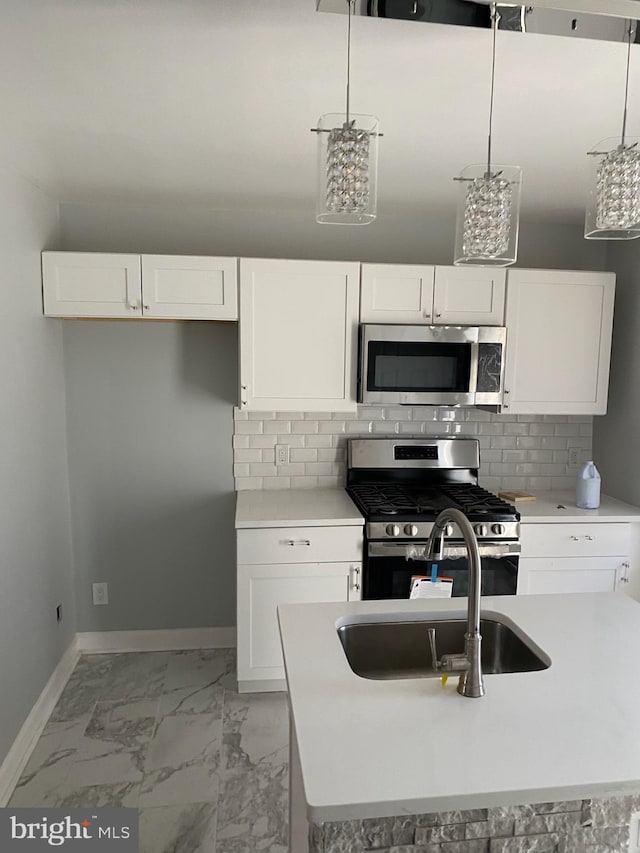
(586, 536)
(146, 307)
(575, 538)
(297, 542)
(427, 314)
(438, 315)
(356, 582)
(133, 305)
(243, 395)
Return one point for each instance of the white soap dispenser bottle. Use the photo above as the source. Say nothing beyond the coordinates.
(588, 487)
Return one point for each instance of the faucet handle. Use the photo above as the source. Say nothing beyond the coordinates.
(431, 632)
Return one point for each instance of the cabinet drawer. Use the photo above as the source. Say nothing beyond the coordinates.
(575, 540)
(584, 574)
(299, 545)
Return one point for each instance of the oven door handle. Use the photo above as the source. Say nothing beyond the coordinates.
(451, 549)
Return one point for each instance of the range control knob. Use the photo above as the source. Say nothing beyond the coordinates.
(481, 529)
(448, 530)
(411, 529)
(498, 529)
(393, 530)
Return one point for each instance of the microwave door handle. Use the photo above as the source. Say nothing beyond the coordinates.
(473, 368)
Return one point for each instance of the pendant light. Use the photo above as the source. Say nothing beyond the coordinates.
(613, 208)
(489, 201)
(347, 161)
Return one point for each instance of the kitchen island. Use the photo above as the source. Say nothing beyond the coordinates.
(545, 761)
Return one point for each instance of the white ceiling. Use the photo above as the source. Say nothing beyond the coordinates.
(210, 102)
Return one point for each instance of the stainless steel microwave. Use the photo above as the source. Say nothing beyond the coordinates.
(431, 365)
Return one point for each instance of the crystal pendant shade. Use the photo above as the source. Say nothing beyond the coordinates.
(613, 210)
(488, 216)
(347, 169)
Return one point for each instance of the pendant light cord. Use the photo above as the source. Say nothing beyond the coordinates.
(626, 85)
(495, 17)
(350, 5)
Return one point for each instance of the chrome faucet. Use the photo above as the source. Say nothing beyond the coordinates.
(467, 663)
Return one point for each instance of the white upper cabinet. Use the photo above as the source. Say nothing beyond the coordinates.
(461, 296)
(464, 296)
(176, 287)
(190, 288)
(298, 335)
(91, 284)
(396, 293)
(559, 328)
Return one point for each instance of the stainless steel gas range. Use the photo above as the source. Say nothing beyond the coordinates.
(400, 486)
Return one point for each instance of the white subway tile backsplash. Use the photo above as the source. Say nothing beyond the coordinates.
(503, 442)
(385, 427)
(304, 427)
(263, 469)
(262, 441)
(307, 454)
(294, 469)
(359, 427)
(243, 483)
(277, 426)
(565, 429)
(248, 427)
(331, 427)
(291, 440)
(242, 455)
(542, 429)
(516, 451)
(411, 428)
(317, 441)
(276, 482)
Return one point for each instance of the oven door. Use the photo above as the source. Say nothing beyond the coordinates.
(431, 365)
(387, 572)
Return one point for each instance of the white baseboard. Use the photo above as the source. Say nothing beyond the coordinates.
(17, 757)
(171, 639)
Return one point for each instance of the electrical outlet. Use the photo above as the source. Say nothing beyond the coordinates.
(282, 454)
(100, 593)
(59, 613)
(634, 833)
(574, 457)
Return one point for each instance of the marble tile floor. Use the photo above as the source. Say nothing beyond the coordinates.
(167, 733)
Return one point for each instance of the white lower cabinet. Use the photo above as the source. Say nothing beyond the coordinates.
(307, 565)
(574, 558)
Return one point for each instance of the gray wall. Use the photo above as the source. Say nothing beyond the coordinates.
(36, 571)
(150, 420)
(616, 436)
(150, 405)
(416, 238)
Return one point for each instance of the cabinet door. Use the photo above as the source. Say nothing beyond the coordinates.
(465, 296)
(298, 335)
(558, 342)
(396, 293)
(261, 588)
(190, 288)
(557, 574)
(91, 284)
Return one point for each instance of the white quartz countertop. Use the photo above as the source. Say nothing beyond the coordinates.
(561, 506)
(381, 748)
(296, 508)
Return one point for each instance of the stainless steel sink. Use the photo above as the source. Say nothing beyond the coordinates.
(385, 650)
